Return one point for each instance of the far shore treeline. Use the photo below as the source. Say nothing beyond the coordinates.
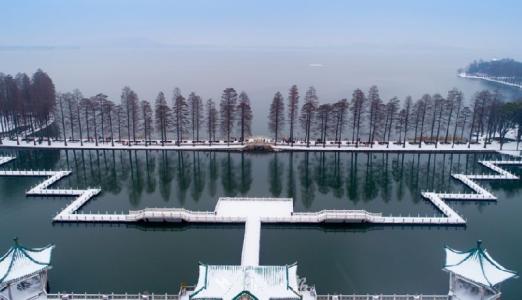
(29, 103)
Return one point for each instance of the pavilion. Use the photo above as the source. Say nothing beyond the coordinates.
(23, 272)
(474, 274)
(228, 282)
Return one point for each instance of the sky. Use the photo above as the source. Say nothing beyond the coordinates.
(405, 47)
(268, 23)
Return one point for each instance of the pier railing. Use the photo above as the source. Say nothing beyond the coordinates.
(71, 213)
(383, 297)
(66, 296)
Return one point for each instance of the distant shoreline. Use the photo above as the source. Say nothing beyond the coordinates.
(465, 75)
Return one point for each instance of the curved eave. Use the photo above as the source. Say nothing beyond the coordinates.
(26, 253)
(482, 256)
(5, 283)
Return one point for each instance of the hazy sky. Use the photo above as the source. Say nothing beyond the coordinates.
(269, 23)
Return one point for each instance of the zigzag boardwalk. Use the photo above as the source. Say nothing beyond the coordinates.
(41, 189)
(450, 217)
(480, 193)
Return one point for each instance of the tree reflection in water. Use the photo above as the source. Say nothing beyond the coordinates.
(307, 177)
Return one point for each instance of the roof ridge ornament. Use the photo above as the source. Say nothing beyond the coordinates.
(479, 244)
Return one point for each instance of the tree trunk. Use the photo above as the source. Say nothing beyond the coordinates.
(63, 123)
(110, 125)
(95, 127)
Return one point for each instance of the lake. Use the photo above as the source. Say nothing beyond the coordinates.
(334, 71)
(344, 259)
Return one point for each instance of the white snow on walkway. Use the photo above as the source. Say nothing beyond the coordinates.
(465, 75)
(255, 211)
(508, 148)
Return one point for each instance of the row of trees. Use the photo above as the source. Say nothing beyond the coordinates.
(430, 119)
(26, 103)
(98, 119)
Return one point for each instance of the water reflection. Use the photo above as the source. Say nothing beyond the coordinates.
(314, 179)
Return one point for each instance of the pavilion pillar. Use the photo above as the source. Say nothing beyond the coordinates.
(9, 291)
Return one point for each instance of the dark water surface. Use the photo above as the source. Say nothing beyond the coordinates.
(347, 259)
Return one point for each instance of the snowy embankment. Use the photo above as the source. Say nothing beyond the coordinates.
(393, 147)
(508, 148)
(496, 80)
(119, 146)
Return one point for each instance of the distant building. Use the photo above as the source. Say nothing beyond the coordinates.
(23, 272)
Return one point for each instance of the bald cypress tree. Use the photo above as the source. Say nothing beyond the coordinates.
(407, 117)
(211, 120)
(374, 105)
(180, 117)
(244, 112)
(293, 103)
(62, 119)
(44, 95)
(108, 111)
(357, 108)
(195, 107)
(324, 112)
(227, 108)
(130, 105)
(307, 115)
(146, 111)
(340, 109)
(391, 110)
(276, 116)
(424, 105)
(162, 116)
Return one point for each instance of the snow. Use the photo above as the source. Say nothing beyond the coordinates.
(118, 146)
(508, 148)
(466, 291)
(465, 75)
(253, 210)
(264, 282)
(34, 289)
(21, 262)
(477, 266)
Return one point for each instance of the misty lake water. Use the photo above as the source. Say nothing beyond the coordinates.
(347, 259)
(335, 72)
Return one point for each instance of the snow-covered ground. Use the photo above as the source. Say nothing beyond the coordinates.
(465, 75)
(508, 148)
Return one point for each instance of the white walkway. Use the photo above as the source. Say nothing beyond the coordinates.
(255, 211)
(41, 189)
(346, 146)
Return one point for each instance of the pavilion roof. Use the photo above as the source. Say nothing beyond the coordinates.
(477, 266)
(259, 282)
(20, 262)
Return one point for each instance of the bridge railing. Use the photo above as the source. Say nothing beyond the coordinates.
(383, 297)
(66, 296)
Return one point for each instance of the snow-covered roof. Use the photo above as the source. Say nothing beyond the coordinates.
(20, 262)
(259, 282)
(477, 266)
